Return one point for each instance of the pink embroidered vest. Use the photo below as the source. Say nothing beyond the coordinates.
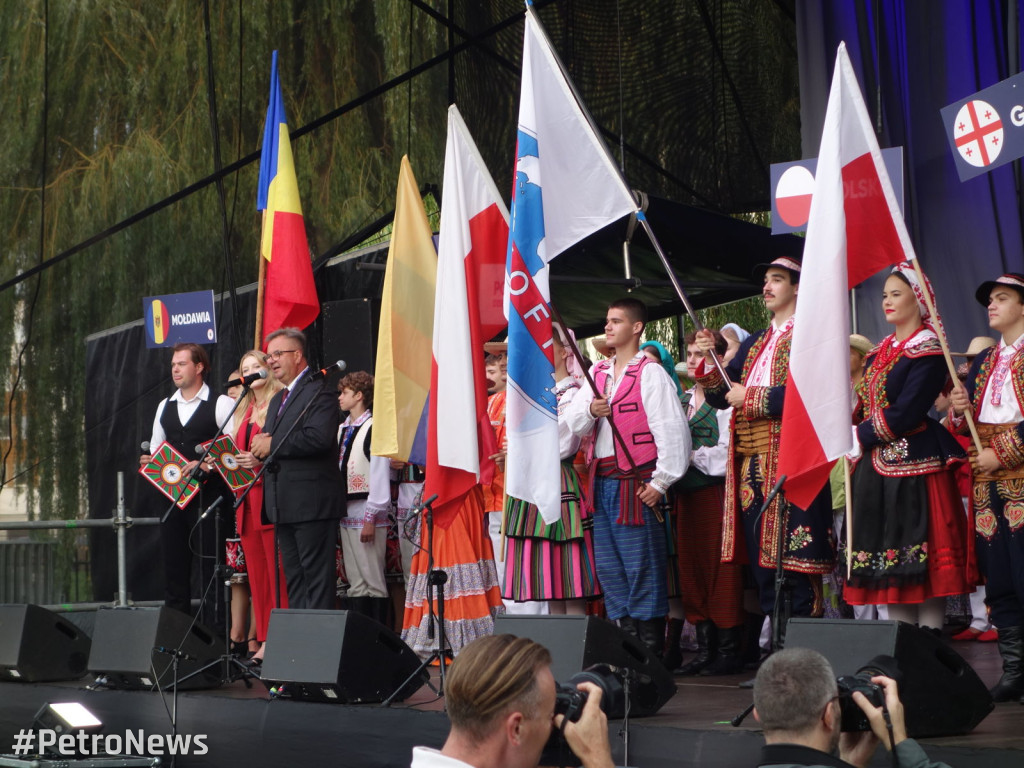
(628, 413)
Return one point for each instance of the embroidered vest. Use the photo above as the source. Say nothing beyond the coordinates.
(356, 462)
(628, 413)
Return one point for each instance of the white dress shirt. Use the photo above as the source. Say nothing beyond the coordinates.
(186, 408)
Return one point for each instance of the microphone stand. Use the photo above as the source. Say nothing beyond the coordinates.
(225, 572)
(436, 577)
(783, 606)
(197, 469)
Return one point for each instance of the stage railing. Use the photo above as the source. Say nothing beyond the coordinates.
(121, 521)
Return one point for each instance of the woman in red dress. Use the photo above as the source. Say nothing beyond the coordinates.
(257, 538)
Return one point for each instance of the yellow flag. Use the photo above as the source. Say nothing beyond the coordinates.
(402, 373)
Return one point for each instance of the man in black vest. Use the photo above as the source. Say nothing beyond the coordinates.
(184, 420)
(304, 494)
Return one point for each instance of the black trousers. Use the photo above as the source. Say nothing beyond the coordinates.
(308, 556)
(191, 552)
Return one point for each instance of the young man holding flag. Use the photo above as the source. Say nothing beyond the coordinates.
(755, 391)
(629, 540)
(995, 394)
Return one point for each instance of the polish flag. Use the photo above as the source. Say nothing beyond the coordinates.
(855, 229)
(467, 312)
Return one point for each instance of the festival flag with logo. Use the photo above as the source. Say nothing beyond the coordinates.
(566, 188)
(855, 229)
(467, 312)
(402, 374)
(289, 295)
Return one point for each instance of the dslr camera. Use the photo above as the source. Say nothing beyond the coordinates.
(852, 716)
(569, 701)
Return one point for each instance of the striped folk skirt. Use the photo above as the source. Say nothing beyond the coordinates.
(551, 562)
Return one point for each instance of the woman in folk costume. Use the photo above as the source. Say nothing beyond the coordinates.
(911, 546)
(257, 538)
(463, 550)
(554, 562)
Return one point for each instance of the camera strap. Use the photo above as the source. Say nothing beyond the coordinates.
(892, 738)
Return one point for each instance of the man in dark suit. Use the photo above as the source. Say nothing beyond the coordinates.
(305, 496)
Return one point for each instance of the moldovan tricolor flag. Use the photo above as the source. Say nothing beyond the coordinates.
(566, 188)
(289, 295)
(467, 312)
(850, 236)
(402, 373)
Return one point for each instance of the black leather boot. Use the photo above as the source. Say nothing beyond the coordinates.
(652, 634)
(707, 649)
(1011, 647)
(673, 655)
(728, 661)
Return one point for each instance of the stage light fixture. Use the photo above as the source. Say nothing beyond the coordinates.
(66, 717)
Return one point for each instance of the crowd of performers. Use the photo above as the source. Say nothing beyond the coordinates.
(663, 489)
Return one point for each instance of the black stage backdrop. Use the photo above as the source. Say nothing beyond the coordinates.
(125, 383)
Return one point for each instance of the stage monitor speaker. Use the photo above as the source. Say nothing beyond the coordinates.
(124, 649)
(350, 333)
(336, 656)
(39, 646)
(941, 694)
(578, 642)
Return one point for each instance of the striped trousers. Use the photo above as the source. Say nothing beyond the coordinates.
(630, 559)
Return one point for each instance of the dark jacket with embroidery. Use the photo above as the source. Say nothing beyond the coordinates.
(764, 403)
(893, 403)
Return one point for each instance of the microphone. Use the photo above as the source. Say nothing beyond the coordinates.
(338, 365)
(145, 446)
(174, 652)
(210, 509)
(245, 381)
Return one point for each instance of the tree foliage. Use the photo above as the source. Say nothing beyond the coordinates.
(105, 111)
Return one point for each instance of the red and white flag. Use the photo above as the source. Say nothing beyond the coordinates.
(467, 313)
(854, 230)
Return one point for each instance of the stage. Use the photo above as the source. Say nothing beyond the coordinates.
(244, 728)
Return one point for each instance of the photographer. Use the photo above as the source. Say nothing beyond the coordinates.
(796, 701)
(500, 697)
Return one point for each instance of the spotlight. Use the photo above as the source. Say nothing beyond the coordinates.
(66, 717)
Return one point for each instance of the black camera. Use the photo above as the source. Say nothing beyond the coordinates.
(852, 716)
(569, 701)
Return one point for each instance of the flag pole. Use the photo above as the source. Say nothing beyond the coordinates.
(945, 349)
(616, 435)
(260, 280)
(849, 517)
(640, 215)
(698, 325)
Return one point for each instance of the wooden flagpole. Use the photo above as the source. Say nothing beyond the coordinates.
(849, 517)
(258, 340)
(945, 349)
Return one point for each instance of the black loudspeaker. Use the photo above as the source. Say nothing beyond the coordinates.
(336, 656)
(37, 645)
(124, 649)
(350, 333)
(941, 694)
(578, 642)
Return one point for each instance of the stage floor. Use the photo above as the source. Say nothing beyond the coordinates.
(244, 728)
